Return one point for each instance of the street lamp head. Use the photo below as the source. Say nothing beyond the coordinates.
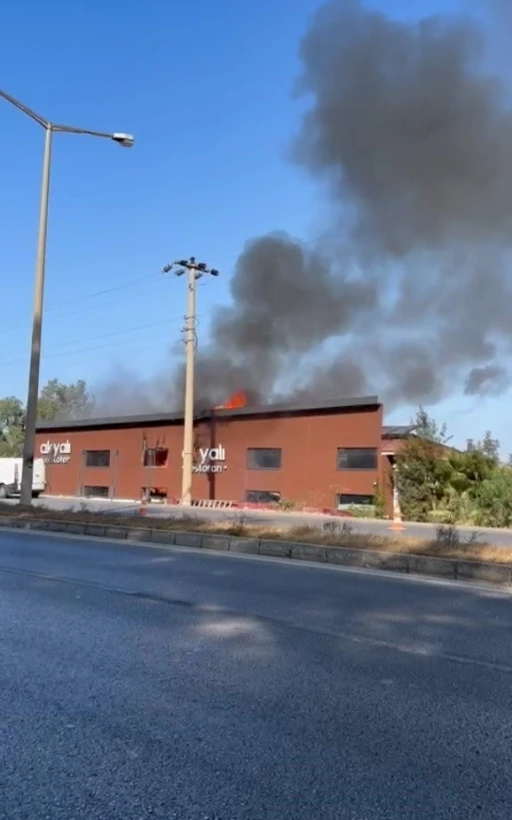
(125, 140)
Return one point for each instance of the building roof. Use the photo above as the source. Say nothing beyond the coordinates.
(284, 409)
(398, 430)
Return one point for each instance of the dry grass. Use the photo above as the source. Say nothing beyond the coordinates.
(448, 542)
(393, 544)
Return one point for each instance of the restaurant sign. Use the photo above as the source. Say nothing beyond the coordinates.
(56, 452)
(210, 460)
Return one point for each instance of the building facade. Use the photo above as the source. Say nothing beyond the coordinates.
(322, 455)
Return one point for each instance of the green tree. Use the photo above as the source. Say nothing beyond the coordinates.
(469, 469)
(490, 447)
(379, 500)
(428, 428)
(12, 418)
(64, 402)
(494, 499)
(422, 477)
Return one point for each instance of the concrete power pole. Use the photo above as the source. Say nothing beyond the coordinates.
(194, 270)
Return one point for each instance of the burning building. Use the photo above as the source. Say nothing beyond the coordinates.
(324, 454)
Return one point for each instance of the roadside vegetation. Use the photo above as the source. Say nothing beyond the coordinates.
(448, 541)
(440, 484)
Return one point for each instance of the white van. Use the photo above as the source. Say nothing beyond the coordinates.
(10, 477)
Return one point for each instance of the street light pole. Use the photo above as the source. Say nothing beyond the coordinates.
(194, 272)
(125, 140)
(37, 330)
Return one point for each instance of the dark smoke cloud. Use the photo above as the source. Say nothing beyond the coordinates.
(413, 138)
(493, 377)
(407, 129)
(286, 300)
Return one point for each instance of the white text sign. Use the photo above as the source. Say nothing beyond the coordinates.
(56, 452)
(211, 460)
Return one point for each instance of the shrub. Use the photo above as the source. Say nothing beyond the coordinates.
(379, 503)
(286, 504)
(441, 516)
(447, 537)
(362, 510)
(239, 525)
(494, 499)
(336, 528)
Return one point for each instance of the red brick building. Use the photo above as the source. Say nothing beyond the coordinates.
(322, 455)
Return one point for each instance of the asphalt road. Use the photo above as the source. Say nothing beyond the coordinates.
(280, 519)
(139, 682)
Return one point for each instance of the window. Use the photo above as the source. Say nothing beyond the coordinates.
(95, 492)
(259, 458)
(156, 457)
(262, 496)
(356, 458)
(349, 499)
(154, 494)
(97, 458)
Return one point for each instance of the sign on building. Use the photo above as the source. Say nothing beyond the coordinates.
(210, 460)
(56, 452)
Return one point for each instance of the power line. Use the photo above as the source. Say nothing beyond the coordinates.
(85, 350)
(76, 354)
(129, 283)
(132, 329)
(116, 333)
(81, 311)
(53, 306)
(148, 278)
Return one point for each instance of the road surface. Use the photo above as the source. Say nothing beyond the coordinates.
(277, 519)
(142, 682)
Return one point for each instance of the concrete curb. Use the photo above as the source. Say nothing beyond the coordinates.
(448, 568)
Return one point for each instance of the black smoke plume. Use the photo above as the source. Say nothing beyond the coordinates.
(409, 294)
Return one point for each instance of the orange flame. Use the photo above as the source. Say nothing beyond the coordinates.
(238, 399)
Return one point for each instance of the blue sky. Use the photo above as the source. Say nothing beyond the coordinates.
(205, 87)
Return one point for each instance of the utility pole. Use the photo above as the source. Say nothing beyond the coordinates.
(194, 270)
